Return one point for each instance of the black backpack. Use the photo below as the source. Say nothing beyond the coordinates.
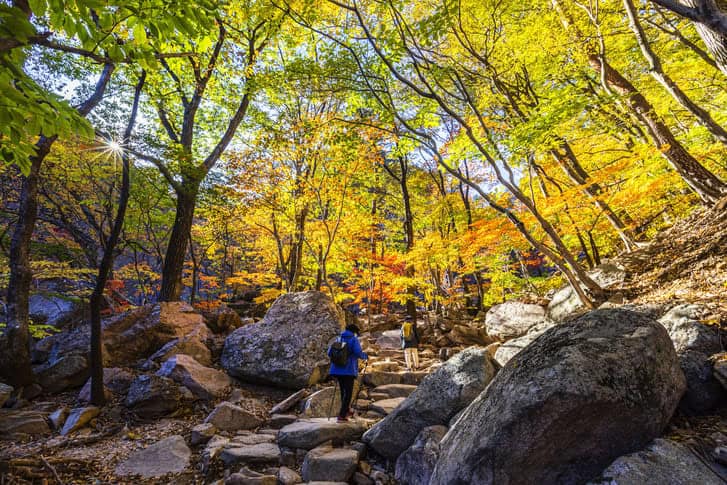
(338, 353)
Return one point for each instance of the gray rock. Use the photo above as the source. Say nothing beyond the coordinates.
(115, 379)
(688, 332)
(324, 402)
(193, 344)
(386, 406)
(277, 421)
(395, 390)
(469, 335)
(58, 417)
(437, 399)
(204, 382)
(664, 462)
(288, 347)
(212, 450)
(56, 310)
(695, 343)
(170, 455)
(286, 476)
(223, 319)
(154, 396)
(329, 464)
(248, 477)
(309, 433)
(202, 433)
(385, 365)
(127, 338)
(511, 348)
(415, 465)
(22, 422)
(514, 319)
(5, 393)
(289, 402)
(382, 378)
(720, 368)
(565, 302)
(67, 371)
(228, 417)
(79, 418)
(259, 454)
(390, 339)
(584, 393)
(252, 439)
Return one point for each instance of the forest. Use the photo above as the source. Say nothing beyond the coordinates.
(402, 157)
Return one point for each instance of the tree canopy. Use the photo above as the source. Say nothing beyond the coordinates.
(448, 154)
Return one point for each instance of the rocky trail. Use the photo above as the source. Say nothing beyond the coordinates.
(634, 392)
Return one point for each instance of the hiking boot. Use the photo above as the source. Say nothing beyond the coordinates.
(342, 420)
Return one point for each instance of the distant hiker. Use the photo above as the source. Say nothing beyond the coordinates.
(410, 343)
(344, 354)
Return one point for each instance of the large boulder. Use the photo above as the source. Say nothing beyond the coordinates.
(130, 338)
(170, 455)
(663, 462)
(67, 371)
(437, 399)
(582, 394)
(56, 310)
(514, 319)
(155, 396)
(288, 347)
(695, 342)
(565, 302)
(415, 465)
(204, 382)
(127, 338)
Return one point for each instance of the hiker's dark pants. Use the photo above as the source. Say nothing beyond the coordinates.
(346, 385)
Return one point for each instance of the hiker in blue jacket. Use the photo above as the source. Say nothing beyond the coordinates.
(346, 374)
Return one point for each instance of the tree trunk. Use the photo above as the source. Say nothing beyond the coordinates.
(195, 270)
(716, 42)
(657, 72)
(573, 169)
(15, 360)
(107, 263)
(703, 182)
(177, 248)
(411, 306)
(295, 264)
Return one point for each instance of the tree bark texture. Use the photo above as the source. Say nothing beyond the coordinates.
(703, 182)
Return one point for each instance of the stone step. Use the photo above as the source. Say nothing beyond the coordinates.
(380, 378)
(259, 454)
(309, 433)
(387, 405)
(394, 390)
